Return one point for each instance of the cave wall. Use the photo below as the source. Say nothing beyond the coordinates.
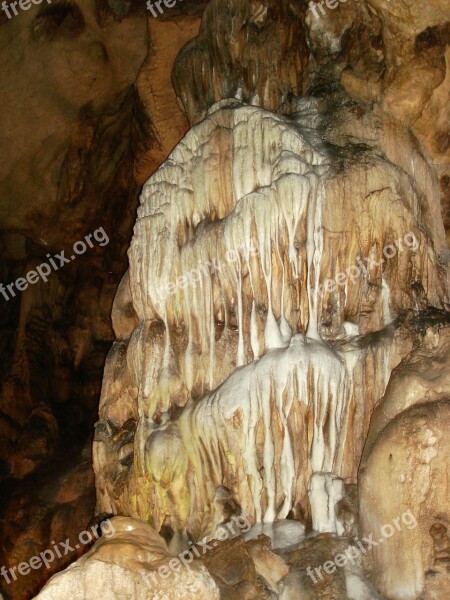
(86, 119)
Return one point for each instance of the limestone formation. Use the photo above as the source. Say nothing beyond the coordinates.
(280, 334)
(276, 266)
(281, 269)
(127, 564)
(253, 296)
(405, 468)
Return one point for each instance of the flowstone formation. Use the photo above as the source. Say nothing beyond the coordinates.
(129, 555)
(245, 348)
(276, 280)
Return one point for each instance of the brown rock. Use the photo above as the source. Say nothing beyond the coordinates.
(269, 566)
(230, 563)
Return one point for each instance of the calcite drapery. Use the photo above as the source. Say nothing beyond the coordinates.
(249, 384)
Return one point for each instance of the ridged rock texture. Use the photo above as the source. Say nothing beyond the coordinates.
(288, 259)
(280, 332)
(236, 236)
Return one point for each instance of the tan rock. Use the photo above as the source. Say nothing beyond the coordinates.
(403, 474)
(230, 563)
(269, 566)
(132, 561)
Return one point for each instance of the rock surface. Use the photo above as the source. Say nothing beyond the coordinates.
(286, 259)
(285, 302)
(122, 564)
(47, 508)
(86, 116)
(245, 275)
(406, 460)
